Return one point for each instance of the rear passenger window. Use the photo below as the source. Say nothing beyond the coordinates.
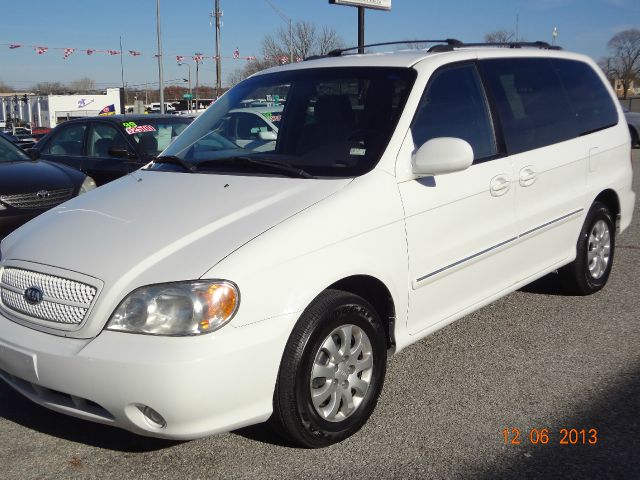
(454, 105)
(533, 105)
(590, 99)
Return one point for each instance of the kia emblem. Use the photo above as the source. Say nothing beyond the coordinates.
(33, 295)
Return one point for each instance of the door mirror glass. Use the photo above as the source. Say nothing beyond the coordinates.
(119, 151)
(268, 136)
(442, 155)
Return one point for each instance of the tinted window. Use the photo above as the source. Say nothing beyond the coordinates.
(591, 102)
(534, 108)
(454, 106)
(102, 138)
(335, 122)
(68, 141)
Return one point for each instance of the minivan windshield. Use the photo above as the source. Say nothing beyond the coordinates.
(331, 122)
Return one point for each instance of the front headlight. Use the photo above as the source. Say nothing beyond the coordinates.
(88, 184)
(177, 309)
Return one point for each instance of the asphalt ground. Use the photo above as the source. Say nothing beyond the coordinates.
(532, 360)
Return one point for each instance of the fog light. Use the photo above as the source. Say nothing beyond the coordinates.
(153, 417)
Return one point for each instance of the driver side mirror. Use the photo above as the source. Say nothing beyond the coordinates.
(267, 136)
(33, 153)
(119, 151)
(442, 155)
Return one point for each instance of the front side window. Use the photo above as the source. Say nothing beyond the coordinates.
(102, 138)
(153, 134)
(454, 105)
(68, 140)
(328, 122)
(533, 104)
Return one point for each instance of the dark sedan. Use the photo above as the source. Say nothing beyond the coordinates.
(106, 148)
(28, 187)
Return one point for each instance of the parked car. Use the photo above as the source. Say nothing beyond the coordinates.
(633, 119)
(255, 128)
(29, 187)
(106, 148)
(221, 287)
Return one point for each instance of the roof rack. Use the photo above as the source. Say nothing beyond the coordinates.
(339, 51)
(537, 44)
(446, 45)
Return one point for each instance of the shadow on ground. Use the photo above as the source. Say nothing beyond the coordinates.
(18, 409)
(616, 416)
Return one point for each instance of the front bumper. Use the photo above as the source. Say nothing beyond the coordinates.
(200, 385)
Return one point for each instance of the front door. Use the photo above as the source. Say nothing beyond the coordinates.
(459, 225)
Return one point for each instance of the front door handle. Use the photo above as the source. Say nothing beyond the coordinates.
(499, 185)
(528, 176)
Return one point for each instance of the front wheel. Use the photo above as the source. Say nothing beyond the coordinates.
(590, 271)
(332, 371)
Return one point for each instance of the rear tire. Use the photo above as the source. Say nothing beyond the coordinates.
(332, 371)
(634, 137)
(590, 271)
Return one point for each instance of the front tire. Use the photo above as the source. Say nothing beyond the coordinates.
(332, 371)
(590, 271)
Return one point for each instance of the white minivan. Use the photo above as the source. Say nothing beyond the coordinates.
(220, 287)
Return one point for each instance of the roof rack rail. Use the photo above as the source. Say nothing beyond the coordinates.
(339, 51)
(536, 44)
(446, 45)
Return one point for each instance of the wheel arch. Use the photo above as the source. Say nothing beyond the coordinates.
(610, 198)
(374, 291)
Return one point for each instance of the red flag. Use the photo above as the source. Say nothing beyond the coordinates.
(236, 53)
(179, 58)
(197, 58)
(134, 53)
(14, 45)
(113, 52)
(251, 58)
(41, 50)
(90, 51)
(68, 52)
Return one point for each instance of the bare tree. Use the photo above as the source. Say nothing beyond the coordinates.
(49, 88)
(4, 88)
(624, 63)
(307, 38)
(500, 36)
(307, 41)
(83, 85)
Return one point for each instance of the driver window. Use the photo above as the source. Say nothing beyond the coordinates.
(454, 106)
(102, 138)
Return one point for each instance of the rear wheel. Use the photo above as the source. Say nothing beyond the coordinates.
(332, 371)
(634, 136)
(590, 271)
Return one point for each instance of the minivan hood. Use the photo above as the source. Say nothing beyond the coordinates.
(153, 227)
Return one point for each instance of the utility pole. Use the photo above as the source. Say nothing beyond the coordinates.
(360, 29)
(217, 14)
(160, 78)
(285, 19)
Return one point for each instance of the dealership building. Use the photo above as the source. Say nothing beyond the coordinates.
(50, 110)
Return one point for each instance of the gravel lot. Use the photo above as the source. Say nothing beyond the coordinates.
(534, 359)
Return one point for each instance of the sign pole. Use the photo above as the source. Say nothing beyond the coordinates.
(360, 29)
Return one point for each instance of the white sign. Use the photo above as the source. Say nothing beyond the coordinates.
(379, 4)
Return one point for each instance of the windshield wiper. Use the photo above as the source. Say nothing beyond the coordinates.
(176, 161)
(248, 161)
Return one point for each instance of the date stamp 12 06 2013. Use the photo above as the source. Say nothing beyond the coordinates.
(548, 436)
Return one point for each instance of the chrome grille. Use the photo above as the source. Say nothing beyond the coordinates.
(64, 301)
(40, 199)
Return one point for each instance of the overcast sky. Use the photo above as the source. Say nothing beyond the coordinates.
(584, 26)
